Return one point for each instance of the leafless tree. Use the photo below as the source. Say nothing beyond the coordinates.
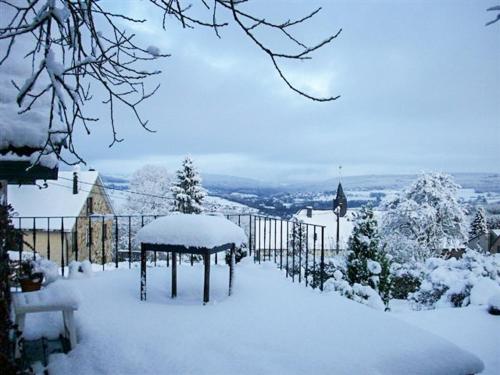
(79, 45)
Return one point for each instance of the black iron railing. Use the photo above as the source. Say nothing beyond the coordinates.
(295, 247)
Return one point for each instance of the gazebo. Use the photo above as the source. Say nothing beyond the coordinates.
(190, 234)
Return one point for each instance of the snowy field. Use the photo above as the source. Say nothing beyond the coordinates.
(269, 326)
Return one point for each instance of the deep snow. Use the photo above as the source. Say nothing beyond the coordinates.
(268, 326)
(471, 328)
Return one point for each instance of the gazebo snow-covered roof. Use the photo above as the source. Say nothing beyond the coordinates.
(192, 231)
(190, 234)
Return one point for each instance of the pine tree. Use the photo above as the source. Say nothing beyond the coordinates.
(478, 225)
(187, 190)
(367, 265)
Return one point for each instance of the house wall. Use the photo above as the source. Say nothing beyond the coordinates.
(94, 250)
(495, 247)
(49, 245)
(479, 243)
(75, 243)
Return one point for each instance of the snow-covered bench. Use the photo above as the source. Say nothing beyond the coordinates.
(50, 299)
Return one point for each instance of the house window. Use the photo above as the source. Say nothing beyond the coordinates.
(90, 206)
(88, 235)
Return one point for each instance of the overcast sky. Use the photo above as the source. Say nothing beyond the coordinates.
(419, 84)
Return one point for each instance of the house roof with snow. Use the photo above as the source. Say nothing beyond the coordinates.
(56, 198)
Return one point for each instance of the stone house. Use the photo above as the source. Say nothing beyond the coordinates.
(486, 242)
(68, 219)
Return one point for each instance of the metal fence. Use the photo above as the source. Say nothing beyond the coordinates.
(296, 248)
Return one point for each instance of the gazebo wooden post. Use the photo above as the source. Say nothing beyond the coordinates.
(174, 275)
(231, 270)
(206, 284)
(143, 273)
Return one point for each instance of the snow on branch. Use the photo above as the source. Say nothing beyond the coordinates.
(78, 48)
(71, 57)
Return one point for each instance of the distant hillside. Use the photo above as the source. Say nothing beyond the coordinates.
(481, 182)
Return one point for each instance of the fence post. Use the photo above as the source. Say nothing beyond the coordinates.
(76, 239)
(275, 239)
(103, 244)
(287, 246)
(48, 238)
(250, 235)
(130, 243)
(307, 253)
(90, 239)
(62, 246)
(34, 239)
(322, 264)
(293, 251)
(281, 244)
(116, 241)
(301, 226)
(314, 251)
(260, 227)
(264, 239)
(21, 240)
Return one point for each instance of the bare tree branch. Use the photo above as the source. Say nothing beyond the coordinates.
(78, 46)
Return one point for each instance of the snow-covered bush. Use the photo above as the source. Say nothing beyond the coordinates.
(494, 304)
(424, 219)
(49, 269)
(357, 292)
(406, 278)
(333, 266)
(452, 282)
(367, 264)
(239, 254)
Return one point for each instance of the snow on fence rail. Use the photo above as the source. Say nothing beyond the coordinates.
(297, 248)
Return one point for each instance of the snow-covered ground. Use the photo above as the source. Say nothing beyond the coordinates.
(471, 328)
(268, 326)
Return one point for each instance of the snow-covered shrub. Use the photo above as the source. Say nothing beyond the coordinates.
(424, 219)
(452, 282)
(333, 266)
(49, 269)
(494, 304)
(406, 278)
(367, 264)
(239, 254)
(357, 292)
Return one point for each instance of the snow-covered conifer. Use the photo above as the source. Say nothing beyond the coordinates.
(187, 190)
(366, 264)
(478, 225)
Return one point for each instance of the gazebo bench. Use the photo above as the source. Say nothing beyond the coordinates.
(44, 301)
